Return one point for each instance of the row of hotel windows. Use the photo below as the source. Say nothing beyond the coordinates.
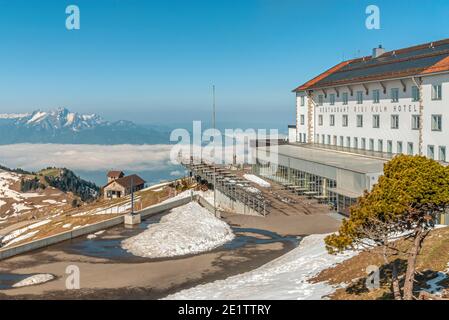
(436, 121)
(354, 143)
(437, 94)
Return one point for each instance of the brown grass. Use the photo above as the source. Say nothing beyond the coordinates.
(434, 257)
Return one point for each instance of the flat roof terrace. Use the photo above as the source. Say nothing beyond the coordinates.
(332, 158)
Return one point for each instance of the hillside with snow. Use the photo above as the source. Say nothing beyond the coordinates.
(15, 204)
(64, 126)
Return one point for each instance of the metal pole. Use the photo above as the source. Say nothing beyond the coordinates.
(215, 174)
(132, 195)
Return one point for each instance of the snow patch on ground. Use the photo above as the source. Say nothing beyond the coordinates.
(284, 278)
(23, 233)
(257, 180)
(33, 280)
(189, 229)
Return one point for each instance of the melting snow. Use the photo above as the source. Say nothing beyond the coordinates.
(35, 279)
(257, 180)
(284, 278)
(188, 229)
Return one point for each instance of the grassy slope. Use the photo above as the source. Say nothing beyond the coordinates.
(433, 258)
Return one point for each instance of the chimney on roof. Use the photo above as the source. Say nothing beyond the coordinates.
(377, 52)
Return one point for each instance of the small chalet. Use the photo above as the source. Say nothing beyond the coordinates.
(120, 185)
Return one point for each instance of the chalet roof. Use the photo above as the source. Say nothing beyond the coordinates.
(126, 181)
(418, 60)
(115, 174)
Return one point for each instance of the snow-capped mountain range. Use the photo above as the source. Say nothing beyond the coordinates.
(56, 119)
(63, 126)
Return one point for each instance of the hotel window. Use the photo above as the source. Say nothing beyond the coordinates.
(376, 121)
(394, 95)
(442, 154)
(415, 122)
(431, 152)
(323, 139)
(437, 94)
(359, 97)
(303, 101)
(320, 100)
(342, 141)
(399, 147)
(345, 120)
(390, 146)
(359, 120)
(320, 120)
(415, 94)
(356, 143)
(376, 96)
(437, 122)
(335, 141)
(394, 121)
(348, 142)
(328, 139)
(332, 120)
(302, 120)
(371, 144)
(410, 150)
(363, 144)
(332, 99)
(345, 98)
(380, 145)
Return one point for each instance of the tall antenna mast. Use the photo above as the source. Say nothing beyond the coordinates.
(215, 173)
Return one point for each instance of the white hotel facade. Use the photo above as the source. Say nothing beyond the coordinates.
(355, 116)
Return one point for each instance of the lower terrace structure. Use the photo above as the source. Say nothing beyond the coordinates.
(329, 176)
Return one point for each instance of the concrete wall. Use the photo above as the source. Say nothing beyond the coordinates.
(238, 207)
(42, 243)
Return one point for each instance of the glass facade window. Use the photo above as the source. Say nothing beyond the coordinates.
(437, 93)
(348, 142)
(332, 120)
(371, 144)
(320, 100)
(359, 97)
(345, 120)
(399, 147)
(376, 121)
(320, 120)
(363, 146)
(442, 153)
(302, 120)
(359, 121)
(395, 121)
(437, 122)
(431, 152)
(415, 94)
(345, 98)
(380, 145)
(356, 143)
(303, 101)
(415, 122)
(390, 146)
(376, 96)
(410, 148)
(332, 99)
(394, 95)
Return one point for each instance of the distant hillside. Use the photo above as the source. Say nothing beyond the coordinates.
(63, 179)
(66, 127)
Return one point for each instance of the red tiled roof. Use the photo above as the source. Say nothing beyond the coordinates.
(413, 61)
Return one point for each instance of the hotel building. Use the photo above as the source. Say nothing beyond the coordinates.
(358, 114)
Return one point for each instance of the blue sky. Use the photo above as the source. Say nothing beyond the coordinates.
(155, 61)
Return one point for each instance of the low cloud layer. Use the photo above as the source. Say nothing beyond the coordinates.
(86, 157)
